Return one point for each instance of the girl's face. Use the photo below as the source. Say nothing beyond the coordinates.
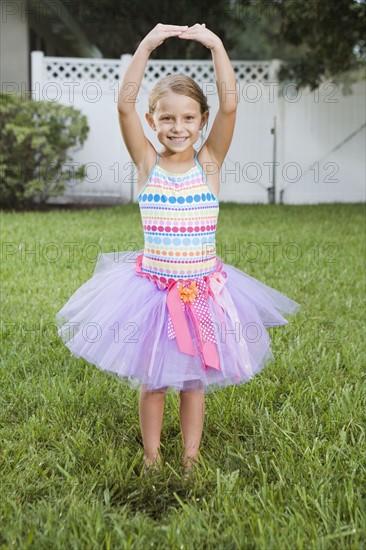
(177, 121)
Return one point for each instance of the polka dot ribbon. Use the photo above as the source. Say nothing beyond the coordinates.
(196, 306)
(191, 298)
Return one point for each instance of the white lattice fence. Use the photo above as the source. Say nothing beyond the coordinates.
(203, 71)
(103, 71)
(308, 127)
(91, 85)
(108, 71)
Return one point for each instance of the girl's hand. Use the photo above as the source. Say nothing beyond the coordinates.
(201, 34)
(160, 33)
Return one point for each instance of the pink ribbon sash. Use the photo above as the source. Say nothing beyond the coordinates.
(182, 299)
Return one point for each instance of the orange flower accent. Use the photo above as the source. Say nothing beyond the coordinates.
(188, 293)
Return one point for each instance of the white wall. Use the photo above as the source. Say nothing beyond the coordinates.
(14, 59)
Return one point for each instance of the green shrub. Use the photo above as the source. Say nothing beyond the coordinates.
(35, 139)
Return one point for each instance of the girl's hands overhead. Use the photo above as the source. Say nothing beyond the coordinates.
(160, 33)
(201, 34)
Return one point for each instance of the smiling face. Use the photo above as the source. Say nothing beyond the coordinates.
(177, 121)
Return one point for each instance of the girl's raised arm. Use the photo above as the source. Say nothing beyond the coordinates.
(129, 121)
(219, 139)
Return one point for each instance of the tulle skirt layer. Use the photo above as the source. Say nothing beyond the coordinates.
(119, 322)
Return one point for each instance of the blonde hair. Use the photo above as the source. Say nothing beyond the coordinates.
(179, 84)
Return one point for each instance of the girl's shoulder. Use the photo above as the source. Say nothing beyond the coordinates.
(146, 166)
(206, 160)
(210, 168)
(151, 155)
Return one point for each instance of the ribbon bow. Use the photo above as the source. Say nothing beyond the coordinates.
(191, 298)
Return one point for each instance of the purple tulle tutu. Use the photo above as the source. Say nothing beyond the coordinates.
(120, 322)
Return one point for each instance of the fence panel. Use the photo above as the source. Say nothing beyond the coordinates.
(319, 138)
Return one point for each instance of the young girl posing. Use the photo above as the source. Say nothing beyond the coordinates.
(175, 317)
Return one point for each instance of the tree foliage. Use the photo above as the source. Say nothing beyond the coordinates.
(330, 31)
(117, 27)
(315, 39)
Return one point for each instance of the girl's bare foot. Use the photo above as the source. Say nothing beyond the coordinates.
(152, 464)
(189, 466)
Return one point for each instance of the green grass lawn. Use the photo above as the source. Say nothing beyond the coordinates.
(282, 457)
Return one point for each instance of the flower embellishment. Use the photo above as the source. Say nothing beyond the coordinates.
(188, 293)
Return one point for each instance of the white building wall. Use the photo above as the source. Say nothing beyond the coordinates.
(14, 57)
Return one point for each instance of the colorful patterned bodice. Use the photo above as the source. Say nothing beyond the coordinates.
(179, 216)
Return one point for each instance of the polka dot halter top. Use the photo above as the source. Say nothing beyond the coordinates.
(179, 217)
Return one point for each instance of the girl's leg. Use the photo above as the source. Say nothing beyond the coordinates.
(192, 414)
(151, 412)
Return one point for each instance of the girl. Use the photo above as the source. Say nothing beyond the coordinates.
(174, 316)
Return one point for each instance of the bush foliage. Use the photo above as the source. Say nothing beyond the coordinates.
(36, 137)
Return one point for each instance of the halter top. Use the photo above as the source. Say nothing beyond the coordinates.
(179, 217)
